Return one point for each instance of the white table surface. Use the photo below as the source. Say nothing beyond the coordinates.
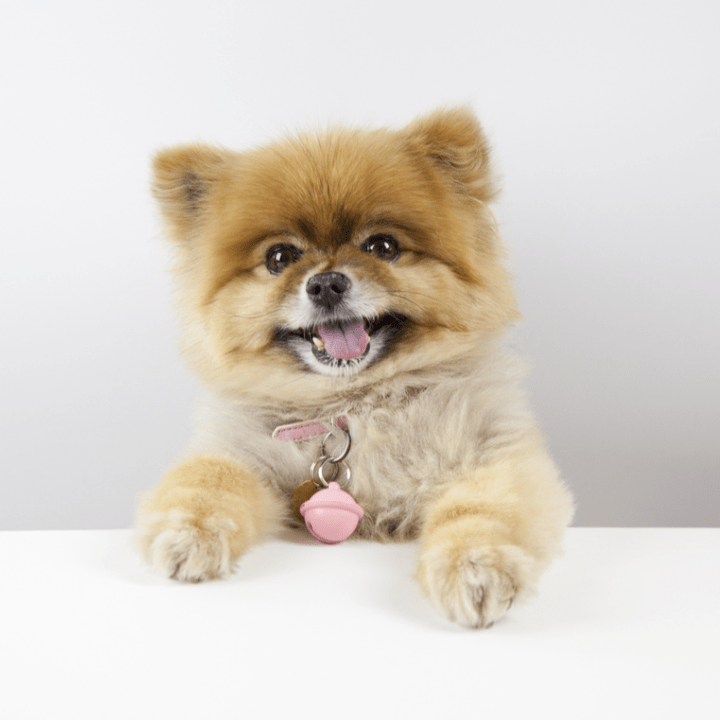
(626, 625)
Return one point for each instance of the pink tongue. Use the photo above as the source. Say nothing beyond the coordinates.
(344, 341)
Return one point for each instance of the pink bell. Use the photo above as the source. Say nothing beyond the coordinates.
(331, 515)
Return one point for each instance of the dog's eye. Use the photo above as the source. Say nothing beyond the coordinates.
(384, 247)
(280, 256)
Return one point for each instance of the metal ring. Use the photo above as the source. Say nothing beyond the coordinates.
(345, 450)
(321, 475)
(315, 469)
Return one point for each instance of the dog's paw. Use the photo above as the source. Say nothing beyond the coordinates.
(474, 587)
(185, 548)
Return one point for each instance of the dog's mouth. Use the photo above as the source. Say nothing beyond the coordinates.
(344, 344)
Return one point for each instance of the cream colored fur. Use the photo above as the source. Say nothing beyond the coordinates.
(444, 448)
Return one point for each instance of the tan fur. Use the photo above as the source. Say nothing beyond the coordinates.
(444, 448)
(204, 514)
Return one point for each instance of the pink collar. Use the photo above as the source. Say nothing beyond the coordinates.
(313, 428)
(309, 429)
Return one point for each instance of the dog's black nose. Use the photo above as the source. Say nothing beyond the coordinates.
(327, 289)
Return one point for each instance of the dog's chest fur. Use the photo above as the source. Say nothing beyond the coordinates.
(405, 445)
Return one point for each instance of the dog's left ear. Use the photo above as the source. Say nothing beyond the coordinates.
(455, 143)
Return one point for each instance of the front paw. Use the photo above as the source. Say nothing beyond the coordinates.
(473, 586)
(186, 548)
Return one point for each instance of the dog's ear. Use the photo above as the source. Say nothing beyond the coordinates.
(455, 143)
(183, 180)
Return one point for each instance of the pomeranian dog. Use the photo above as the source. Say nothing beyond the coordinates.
(352, 283)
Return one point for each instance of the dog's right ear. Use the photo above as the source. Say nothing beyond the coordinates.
(183, 181)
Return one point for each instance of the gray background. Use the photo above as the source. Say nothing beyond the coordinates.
(604, 116)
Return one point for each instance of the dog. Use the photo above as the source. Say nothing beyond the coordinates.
(353, 282)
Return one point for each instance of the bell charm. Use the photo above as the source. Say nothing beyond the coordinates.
(331, 515)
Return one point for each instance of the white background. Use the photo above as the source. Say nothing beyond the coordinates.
(604, 117)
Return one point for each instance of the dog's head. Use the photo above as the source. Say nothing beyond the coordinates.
(335, 260)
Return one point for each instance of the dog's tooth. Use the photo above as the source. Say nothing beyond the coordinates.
(319, 344)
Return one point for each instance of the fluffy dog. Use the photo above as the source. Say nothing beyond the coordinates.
(355, 275)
